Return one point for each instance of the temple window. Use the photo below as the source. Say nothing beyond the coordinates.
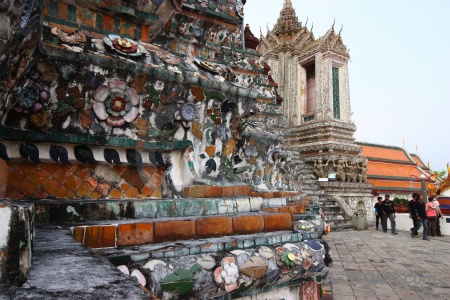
(336, 104)
(310, 88)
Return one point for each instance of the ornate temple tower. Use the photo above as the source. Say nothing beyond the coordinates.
(313, 80)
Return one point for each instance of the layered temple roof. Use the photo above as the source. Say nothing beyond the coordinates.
(392, 169)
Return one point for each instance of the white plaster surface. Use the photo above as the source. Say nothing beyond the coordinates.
(256, 203)
(5, 217)
(243, 205)
(404, 223)
(291, 293)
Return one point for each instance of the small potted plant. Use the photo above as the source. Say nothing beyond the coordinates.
(401, 205)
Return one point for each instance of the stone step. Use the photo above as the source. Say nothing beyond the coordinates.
(215, 191)
(53, 211)
(126, 233)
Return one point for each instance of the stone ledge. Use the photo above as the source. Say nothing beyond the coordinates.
(62, 211)
(119, 235)
(211, 245)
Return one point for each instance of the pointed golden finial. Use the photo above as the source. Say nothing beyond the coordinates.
(403, 142)
(428, 165)
(417, 148)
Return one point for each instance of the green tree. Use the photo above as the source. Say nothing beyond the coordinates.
(442, 174)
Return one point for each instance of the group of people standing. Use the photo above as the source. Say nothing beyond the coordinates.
(384, 210)
(422, 214)
(426, 215)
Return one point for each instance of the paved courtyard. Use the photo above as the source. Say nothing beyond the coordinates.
(371, 264)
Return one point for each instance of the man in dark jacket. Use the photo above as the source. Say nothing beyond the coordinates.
(422, 216)
(388, 212)
(414, 214)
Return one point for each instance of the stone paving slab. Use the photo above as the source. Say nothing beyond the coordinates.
(64, 269)
(371, 264)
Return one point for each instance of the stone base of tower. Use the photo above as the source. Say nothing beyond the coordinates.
(328, 150)
(344, 204)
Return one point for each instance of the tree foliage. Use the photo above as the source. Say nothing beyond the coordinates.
(442, 174)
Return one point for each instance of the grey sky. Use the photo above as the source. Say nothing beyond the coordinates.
(399, 68)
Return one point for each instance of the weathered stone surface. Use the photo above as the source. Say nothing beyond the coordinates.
(175, 230)
(65, 269)
(278, 222)
(4, 170)
(134, 234)
(248, 224)
(100, 236)
(214, 227)
(106, 173)
(16, 240)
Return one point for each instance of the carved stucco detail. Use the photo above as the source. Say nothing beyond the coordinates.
(344, 93)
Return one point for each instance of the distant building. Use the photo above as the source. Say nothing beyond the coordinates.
(393, 170)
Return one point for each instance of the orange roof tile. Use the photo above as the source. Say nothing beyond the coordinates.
(391, 169)
(394, 184)
(385, 152)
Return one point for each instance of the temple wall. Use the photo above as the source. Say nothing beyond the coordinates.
(16, 240)
(28, 180)
(289, 76)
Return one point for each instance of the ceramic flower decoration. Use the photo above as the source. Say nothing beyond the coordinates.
(287, 259)
(30, 97)
(227, 274)
(124, 46)
(116, 103)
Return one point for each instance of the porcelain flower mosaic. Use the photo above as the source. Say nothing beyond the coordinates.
(116, 103)
(227, 274)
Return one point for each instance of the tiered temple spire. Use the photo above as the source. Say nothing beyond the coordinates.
(288, 20)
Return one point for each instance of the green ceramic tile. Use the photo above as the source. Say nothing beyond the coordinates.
(166, 208)
(194, 250)
(261, 241)
(169, 254)
(145, 209)
(99, 21)
(181, 252)
(190, 207)
(210, 207)
(72, 13)
(228, 246)
(211, 248)
(286, 238)
(294, 238)
(122, 9)
(53, 8)
(249, 243)
(117, 24)
(157, 254)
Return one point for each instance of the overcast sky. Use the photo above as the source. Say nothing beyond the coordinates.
(399, 68)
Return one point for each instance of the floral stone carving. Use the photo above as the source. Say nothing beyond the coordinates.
(116, 103)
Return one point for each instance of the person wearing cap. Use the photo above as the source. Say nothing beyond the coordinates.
(388, 213)
(414, 214)
(378, 212)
